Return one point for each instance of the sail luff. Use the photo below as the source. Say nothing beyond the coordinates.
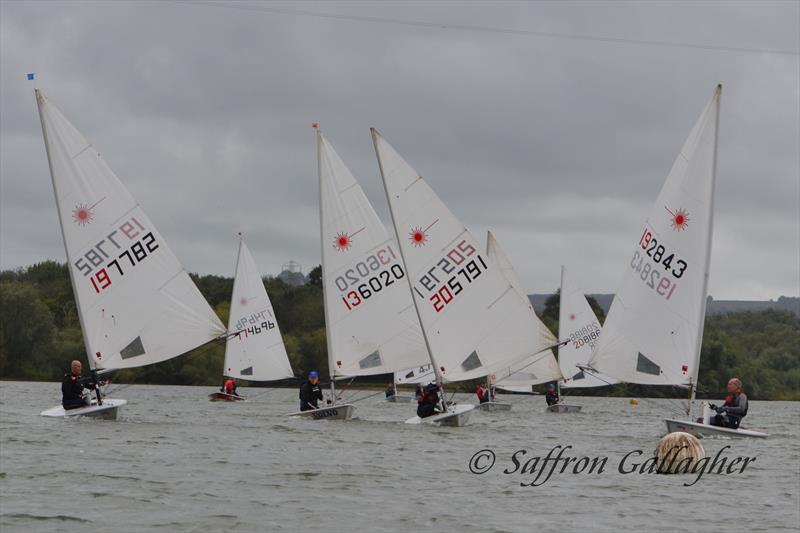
(45, 136)
(436, 371)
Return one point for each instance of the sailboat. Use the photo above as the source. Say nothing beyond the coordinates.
(371, 327)
(578, 325)
(418, 375)
(474, 323)
(136, 303)
(540, 367)
(654, 329)
(254, 350)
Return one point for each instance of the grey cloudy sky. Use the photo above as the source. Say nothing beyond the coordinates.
(559, 146)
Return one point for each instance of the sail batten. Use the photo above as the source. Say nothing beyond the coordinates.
(136, 303)
(659, 310)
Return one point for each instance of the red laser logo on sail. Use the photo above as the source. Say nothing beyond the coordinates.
(82, 214)
(419, 236)
(680, 218)
(344, 241)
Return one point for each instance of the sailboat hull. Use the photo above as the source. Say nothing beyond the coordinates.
(564, 408)
(108, 411)
(334, 412)
(224, 397)
(457, 417)
(494, 406)
(704, 430)
(400, 399)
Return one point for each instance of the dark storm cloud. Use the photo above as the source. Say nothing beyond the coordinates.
(558, 145)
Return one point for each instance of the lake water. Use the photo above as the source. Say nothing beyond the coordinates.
(176, 462)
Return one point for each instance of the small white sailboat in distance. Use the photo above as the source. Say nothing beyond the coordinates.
(654, 329)
(136, 303)
(369, 316)
(473, 321)
(577, 324)
(418, 375)
(254, 349)
(540, 367)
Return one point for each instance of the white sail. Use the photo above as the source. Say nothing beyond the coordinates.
(475, 323)
(542, 366)
(578, 324)
(655, 325)
(136, 303)
(256, 352)
(371, 324)
(417, 374)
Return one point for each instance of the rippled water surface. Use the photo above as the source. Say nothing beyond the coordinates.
(176, 462)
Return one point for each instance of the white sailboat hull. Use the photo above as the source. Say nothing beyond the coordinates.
(108, 411)
(563, 408)
(494, 406)
(334, 412)
(400, 399)
(457, 416)
(701, 430)
(225, 397)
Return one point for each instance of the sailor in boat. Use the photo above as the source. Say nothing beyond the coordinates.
(310, 392)
(429, 403)
(730, 414)
(551, 396)
(229, 387)
(389, 390)
(72, 388)
(484, 395)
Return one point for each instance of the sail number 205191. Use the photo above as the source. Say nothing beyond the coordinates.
(455, 271)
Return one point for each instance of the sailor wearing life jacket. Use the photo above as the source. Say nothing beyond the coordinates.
(730, 414)
(428, 402)
(310, 392)
(72, 388)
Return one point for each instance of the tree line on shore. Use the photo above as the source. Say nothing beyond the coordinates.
(40, 334)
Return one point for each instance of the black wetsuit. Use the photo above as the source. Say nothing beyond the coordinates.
(551, 397)
(389, 392)
(72, 392)
(309, 396)
(427, 402)
(732, 411)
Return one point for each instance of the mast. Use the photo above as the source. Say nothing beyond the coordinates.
(63, 235)
(558, 359)
(235, 272)
(436, 371)
(699, 343)
(322, 269)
